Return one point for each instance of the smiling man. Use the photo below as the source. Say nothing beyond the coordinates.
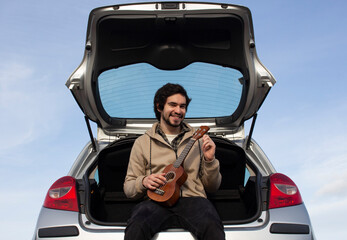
(173, 113)
(159, 147)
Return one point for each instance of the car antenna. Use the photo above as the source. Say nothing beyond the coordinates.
(90, 133)
(251, 131)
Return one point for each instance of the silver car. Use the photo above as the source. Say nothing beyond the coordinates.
(132, 50)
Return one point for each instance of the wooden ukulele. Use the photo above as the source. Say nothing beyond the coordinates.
(169, 193)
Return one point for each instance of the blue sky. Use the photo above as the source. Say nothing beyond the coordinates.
(301, 126)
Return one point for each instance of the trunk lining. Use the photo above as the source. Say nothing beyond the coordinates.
(233, 200)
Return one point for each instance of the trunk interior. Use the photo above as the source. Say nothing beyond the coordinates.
(236, 200)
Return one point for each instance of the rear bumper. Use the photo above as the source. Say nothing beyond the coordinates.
(291, 223)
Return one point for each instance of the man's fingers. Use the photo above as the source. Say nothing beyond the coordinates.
(156, 180)
(162, 177)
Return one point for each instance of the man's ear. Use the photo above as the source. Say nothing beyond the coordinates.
(159, 110)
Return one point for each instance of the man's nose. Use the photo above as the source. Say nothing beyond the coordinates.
(178, 109)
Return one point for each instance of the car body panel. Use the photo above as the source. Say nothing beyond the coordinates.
(289, 215)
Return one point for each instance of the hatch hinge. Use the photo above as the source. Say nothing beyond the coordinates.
(251, 132)
(126, 135)
(90, 133)
(266, 81)
(122, 135)
(74, 84)
(218, 134)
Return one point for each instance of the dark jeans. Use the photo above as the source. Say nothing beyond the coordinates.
(195, 214)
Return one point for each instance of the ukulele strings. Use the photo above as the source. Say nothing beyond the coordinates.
(170, 174)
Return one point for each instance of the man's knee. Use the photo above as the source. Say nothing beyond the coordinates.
(137, 230)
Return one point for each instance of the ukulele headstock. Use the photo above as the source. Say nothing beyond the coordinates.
(200, 132)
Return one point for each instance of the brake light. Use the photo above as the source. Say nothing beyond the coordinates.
(62, 195)
(283, 192)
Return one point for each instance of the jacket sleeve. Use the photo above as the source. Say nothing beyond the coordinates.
(133, 187)
(211, 177)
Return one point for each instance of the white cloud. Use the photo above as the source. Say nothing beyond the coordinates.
(22, 208)
(29, 104)
(328, 218)
(308, 144)
(336, 187)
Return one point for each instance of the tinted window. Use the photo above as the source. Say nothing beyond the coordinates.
(127, 92)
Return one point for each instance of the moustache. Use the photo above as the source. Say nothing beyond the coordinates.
(176, 115)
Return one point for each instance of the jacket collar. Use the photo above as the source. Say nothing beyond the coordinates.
(153, 133)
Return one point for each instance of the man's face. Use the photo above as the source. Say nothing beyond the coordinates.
(174, 110)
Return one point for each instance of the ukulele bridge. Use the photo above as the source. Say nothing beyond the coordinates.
(159, 191)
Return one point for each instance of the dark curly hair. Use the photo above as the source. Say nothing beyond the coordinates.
(166, 91)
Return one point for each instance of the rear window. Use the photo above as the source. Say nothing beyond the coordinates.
(128, 91)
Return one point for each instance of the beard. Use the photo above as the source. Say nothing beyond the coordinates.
(175, 125)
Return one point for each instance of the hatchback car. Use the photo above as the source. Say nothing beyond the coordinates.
(132, 50)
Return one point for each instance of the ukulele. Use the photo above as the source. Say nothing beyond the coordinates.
(175, 175)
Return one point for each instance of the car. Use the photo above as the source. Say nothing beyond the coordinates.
(133, 49)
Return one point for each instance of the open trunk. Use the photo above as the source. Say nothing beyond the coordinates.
(133, 49)
(236, 201)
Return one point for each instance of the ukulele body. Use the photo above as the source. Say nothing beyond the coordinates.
(169, 193)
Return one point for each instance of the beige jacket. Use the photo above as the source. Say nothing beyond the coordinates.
(151, 153)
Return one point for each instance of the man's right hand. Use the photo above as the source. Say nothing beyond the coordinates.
(154, 181)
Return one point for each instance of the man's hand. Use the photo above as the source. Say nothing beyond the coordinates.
(154, 180)
(208, 148)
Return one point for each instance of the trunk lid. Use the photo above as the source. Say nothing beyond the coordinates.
(132, 50)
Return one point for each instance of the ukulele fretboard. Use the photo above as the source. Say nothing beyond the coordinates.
(184, 153)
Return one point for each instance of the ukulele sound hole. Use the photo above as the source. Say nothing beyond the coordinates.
(170, 176)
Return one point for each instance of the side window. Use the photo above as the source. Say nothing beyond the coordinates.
(96, 176)
(247, 175)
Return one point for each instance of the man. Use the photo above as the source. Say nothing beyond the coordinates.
(159, 147)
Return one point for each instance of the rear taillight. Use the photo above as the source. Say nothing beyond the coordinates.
(62, 195)
(283, 192)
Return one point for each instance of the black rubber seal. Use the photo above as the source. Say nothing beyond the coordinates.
(287, 228)
(68, 231)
